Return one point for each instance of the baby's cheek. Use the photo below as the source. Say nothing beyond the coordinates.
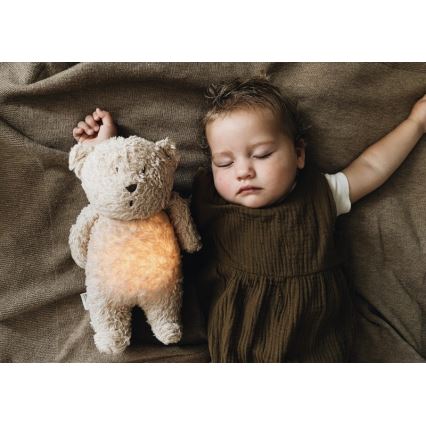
(284, 180)
(222, 184)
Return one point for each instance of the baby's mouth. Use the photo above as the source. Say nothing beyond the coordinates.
(131, 203)
(248, 190)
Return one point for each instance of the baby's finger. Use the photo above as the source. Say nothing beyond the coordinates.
(85, 127)
(76, 131)
(96, 115)
(91, 122)
(105, 116)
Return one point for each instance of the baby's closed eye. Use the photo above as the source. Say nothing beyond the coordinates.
(223, 164)
(263, 155)
(222, 160)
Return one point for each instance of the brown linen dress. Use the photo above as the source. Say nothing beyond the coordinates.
(271, 276)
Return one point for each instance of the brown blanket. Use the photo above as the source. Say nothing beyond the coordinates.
(349, 106)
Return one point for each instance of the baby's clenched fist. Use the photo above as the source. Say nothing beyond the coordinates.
(95, 128)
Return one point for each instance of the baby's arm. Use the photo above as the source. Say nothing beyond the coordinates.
(377, 163)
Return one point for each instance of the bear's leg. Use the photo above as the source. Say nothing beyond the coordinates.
(111, 323)
(162, 311)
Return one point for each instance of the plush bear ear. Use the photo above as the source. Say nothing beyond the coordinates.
(169, 148)
(78, 155)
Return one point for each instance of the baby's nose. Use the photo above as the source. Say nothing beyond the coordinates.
(132, 188)
(245, 171)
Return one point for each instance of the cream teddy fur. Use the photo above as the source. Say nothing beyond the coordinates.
(128, 238)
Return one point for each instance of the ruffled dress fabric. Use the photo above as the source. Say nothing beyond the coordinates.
(275, 290)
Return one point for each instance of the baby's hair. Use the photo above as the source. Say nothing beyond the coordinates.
(251, 93)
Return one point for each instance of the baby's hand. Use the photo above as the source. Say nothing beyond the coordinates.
(96, 128)
(418, 113)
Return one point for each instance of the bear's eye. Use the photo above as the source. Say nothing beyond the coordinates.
(143, 170)
(116, 169)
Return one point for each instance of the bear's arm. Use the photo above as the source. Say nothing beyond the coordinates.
(183, 224)
(80, 235)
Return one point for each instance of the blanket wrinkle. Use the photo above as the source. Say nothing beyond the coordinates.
(69, 344)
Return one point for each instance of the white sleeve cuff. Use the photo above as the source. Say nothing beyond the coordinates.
(339, 186)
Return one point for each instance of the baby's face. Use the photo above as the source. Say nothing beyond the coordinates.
(254, 162)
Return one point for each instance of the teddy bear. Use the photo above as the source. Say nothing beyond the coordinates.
(129, 238)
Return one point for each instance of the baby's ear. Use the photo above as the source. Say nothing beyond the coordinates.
(169, 148)
(77, 157)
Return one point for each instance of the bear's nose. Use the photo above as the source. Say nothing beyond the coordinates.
(132, 188)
